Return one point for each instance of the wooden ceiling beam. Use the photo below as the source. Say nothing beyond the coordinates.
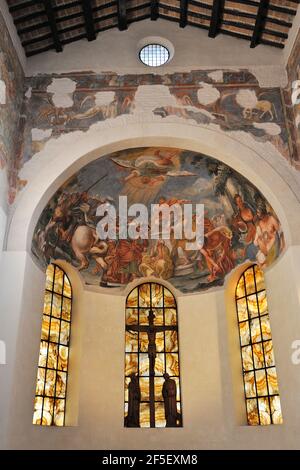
(260, 22)
(183, 13)
(89, 20)
(52, 23)
(154, 10)
(122, 16)
(216, 18)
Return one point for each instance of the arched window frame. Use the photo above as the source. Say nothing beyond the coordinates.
(159, 422)
(262, 397)
(52, 376)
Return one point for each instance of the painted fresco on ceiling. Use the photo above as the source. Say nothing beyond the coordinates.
(239, 224)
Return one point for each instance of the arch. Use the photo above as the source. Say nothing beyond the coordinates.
(152, 372)
(69, 153)
(51, 386)
(258, 360)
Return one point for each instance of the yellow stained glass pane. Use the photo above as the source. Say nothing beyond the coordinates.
(40, 381)
(255, 330)
(45, 327)
(258, 356)
(159, 317)
(131, 364)
(64, 332)
(252, 412)
(131, 341)
(261, 383)
(249, 281)
(132, 299)
(172, 364)
(47, 303)
(144, 386)
(179, 420)
(170, 316)
(66, 309)
(58, 280)
(56, 305)
(50, 383)
(247, 358)
(54, 330)
(131, 316)
(269, 354)
(157, 295)
(159, 368)
(240, 289)
(259, 278)
(63, 358)
(144, 313)
(125, 409)
(67, 287)
(127, 382)
(145, 415)
(158, 385)
(276, 410)
(59, 412)
(244, 333)
(250, 389)
(264, 411)
(49, 277)
(43, 354)
(169, 299)
(242, 309)
(272, 381)
(262, 302)
(171, 341)
(61, 384)
(266, 328)
(144, 342)
(160, 420)
(160, 342)
(37, 414)
(144, 295)
(144, 364)
(52, 356)
(252, 306)
(48, 411)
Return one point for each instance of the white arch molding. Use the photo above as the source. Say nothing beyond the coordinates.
(83, 147)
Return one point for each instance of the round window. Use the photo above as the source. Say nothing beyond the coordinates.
(154, 55)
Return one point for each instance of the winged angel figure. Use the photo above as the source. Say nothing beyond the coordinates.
(148, 173)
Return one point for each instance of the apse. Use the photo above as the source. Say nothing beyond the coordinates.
(239, 223)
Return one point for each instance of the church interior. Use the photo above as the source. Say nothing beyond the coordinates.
(115, 118)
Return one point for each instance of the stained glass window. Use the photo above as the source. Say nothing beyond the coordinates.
(258, 361)
(51, 385)
(152, 378)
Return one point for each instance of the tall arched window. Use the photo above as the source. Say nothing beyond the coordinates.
(259, 371)
(51, 386)
(152, 383)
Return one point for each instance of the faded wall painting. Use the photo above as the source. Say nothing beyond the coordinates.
(239, 223)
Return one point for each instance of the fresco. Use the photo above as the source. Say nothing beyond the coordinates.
(11, 98)
(226, 100)
(239, 224)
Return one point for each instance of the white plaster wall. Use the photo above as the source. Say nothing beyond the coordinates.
(213, 416)
(117, 51)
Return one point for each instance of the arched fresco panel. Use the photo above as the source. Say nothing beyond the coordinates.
(239, 223)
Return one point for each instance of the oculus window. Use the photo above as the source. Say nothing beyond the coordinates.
(51, 385)
(154, 55)
(258, 361)
(152, 378)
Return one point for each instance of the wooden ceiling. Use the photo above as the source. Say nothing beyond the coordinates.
(50, 24)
